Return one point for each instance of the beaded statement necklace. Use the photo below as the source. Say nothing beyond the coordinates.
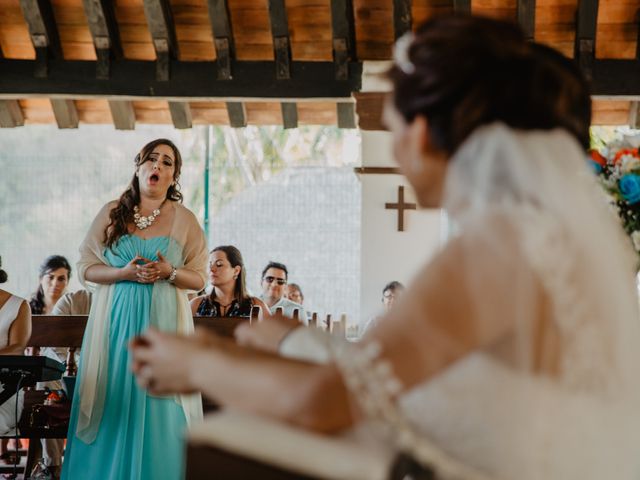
(143, 222)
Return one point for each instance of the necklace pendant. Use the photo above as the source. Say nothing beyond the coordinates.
(142, 221)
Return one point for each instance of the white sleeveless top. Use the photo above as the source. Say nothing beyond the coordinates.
(8, 313)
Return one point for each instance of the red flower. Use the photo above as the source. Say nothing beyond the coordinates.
(598, 158)
(623, 152)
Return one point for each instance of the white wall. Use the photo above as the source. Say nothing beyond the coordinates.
(387, 254)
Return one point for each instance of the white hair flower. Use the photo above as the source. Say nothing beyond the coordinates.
(401, 53)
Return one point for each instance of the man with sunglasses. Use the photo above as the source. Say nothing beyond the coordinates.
(274, 284)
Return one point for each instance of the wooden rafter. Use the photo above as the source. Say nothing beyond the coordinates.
(38, 15)
(402, 18)
(237, 114)
(223, 37)
(106, 39)
(163, 32)
(11, 114)
(105, 33)
(347, 115)
(282, 54)
(281, 41)
(526, 12)
(343, 33)
(10, 111)
(585, 42)
(634, 115)
(224, 44)
(289, 114)
(123, 114)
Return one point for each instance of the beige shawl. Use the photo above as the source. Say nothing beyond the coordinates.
(188, 250)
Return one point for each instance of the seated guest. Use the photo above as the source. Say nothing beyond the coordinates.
(229, 296)
(53, 279)
(294, 293)
(390, 293)
(54, 276)
(73, 303)
(274, 281)
(15, 330)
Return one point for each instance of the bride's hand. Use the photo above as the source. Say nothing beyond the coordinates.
(161, 361)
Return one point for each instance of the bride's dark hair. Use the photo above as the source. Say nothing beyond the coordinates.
(461, 72)
(122, 214)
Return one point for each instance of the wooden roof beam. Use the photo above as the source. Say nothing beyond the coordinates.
(44, 35)
(10, 111)
(462, 6)
(163, 32)
(225, 54)
(123, 114)
(585, 43)
(104, 31)
(222, 36)
(190, 81)
(289, 114)
(347, 115)
(281, 41)
(65, 113)
(11, 114)
(634, 115)
(402, 18)
(526, 12)
(38, 15)
(237, 114)
(106, 40)
(282, 55)
(343, 32)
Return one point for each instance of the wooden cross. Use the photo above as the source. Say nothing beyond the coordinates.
(401, 206)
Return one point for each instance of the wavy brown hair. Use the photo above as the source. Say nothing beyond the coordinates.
(121, 216)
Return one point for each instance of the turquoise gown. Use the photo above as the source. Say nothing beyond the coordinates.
(140, 436)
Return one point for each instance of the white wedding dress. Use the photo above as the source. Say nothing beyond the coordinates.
(562, 402)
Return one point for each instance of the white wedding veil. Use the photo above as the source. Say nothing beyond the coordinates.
(541, 259)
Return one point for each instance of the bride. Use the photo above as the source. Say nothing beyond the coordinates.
(513, 353)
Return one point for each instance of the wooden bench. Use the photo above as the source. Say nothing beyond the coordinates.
(67, 331)
(229, 445)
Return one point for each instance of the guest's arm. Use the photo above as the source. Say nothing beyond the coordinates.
(20, 332)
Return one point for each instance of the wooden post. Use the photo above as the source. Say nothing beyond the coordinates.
(255, 313)
(72, 368)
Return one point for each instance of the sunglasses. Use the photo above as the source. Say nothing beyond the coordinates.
(280, 281)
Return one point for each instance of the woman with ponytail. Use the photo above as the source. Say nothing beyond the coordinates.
(141, 256)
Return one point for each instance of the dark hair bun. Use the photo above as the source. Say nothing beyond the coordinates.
(464, 72)
(3, 276)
